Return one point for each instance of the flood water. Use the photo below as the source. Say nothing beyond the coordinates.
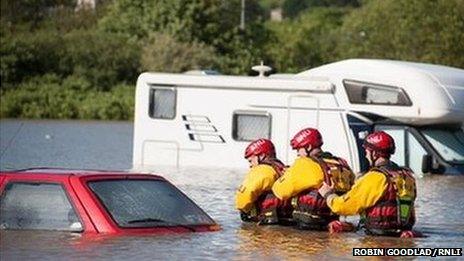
(108, 145)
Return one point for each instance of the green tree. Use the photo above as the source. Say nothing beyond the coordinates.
(24, 55)
(187, 20)
(164, 53)
(212, 22)
(307, 41)
(33, 11)
(292, 8)
(104, 59)
(414, 30)
(184, 19)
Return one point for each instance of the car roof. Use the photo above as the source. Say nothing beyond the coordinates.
(71, 171)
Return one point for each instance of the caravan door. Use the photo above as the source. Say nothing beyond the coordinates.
(302, 112)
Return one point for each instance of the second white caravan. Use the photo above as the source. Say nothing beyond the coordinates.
(208, 120)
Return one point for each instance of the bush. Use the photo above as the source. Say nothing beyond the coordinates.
(25, 55)
(49, 97)
(101, 58)
(165, 54)
(115, 105)
(41, 97)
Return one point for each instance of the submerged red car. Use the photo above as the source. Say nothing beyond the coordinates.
(90, 201)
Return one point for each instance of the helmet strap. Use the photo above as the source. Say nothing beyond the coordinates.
(375, 159)
(308, 151)
(371, 158)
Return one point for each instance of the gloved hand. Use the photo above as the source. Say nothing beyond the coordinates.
(340, 226)
(411, 234)
(245, 217)
(325, 190)
(271, 202)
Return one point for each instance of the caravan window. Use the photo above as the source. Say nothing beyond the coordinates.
(377, 94)
(251, 125)
(162, 103)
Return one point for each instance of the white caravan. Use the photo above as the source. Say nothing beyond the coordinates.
(208, 120)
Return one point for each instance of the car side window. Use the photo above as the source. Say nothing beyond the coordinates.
(43, 206)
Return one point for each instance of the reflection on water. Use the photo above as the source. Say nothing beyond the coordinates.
(109, 145)
(285, 242)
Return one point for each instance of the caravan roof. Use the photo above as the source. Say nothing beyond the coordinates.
(436, 91)
(442, 74)
(313, 84)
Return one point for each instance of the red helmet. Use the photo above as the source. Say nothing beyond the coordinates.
(261, 146)
(306, 137)
(381, 142)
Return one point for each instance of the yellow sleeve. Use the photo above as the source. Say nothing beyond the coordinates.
(365, 192)
(304, 174)
(258, 180)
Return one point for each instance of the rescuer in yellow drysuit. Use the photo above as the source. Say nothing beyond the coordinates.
(301, 182)
(254, 198)
(384, 196)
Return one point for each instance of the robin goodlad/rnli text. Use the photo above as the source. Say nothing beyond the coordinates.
(433, 252)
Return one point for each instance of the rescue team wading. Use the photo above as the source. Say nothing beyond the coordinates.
(319, 187)
(267, 196)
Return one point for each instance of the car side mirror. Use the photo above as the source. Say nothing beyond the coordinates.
(427, 162)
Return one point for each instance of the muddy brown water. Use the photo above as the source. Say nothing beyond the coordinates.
(108, 145)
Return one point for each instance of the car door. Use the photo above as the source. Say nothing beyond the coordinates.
(36, 204)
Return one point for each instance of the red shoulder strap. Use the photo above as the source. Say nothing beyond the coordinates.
(278, 166)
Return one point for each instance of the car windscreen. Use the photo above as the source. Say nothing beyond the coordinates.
(449, 143)
(148, 203)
